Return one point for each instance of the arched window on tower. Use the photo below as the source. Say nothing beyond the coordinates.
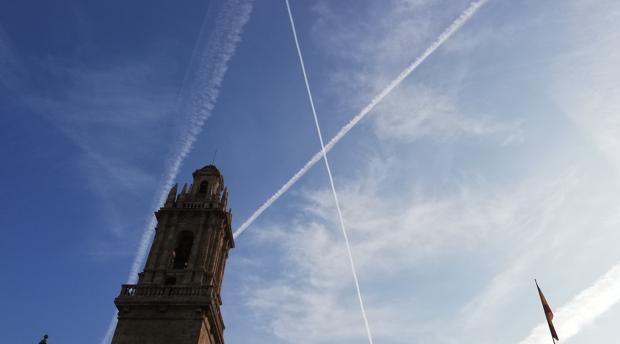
(204, 186)
(183, 249)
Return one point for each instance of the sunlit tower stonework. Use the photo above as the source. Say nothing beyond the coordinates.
(177, 297)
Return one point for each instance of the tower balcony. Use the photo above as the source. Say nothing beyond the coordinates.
(201, 205)
(170, 303)
(166, 291)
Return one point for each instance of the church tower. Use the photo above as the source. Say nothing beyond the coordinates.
(177, 297)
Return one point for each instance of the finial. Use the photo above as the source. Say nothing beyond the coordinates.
(172, 195)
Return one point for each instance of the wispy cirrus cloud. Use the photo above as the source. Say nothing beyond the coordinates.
(392, 237)
(368, 45)
(448, 256)
(11, 71)
(384, 92)
(585, 85)
(116, 118)
(415, 112)
(583, 309)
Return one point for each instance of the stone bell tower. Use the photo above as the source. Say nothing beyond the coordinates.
(177, 298)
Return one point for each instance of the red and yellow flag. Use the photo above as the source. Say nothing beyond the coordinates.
(548, 313)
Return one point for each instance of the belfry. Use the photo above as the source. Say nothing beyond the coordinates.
(177, 297)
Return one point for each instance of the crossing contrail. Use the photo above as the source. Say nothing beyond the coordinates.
(329, 174)
(444, 36)
(582, 309)
(202, 93)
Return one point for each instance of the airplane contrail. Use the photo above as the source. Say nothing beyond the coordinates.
(447, 33)
(329, 174)
(582, 309)
(212, 65)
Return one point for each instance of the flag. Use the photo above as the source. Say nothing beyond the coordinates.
(548, 312)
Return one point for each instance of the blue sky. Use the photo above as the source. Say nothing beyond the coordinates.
(495, 162)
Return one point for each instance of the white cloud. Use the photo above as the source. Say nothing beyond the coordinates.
(583, 309)
(391, 236)
(488, 237)
(585, 84)
(415, 112)
(368, 45)
(454, 27)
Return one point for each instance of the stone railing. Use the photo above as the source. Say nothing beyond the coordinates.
(134, 290)
(199, 205)
(194, 205)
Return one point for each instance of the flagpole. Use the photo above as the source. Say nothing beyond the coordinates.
(551, 334)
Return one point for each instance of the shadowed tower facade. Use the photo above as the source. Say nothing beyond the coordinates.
(177, 297)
